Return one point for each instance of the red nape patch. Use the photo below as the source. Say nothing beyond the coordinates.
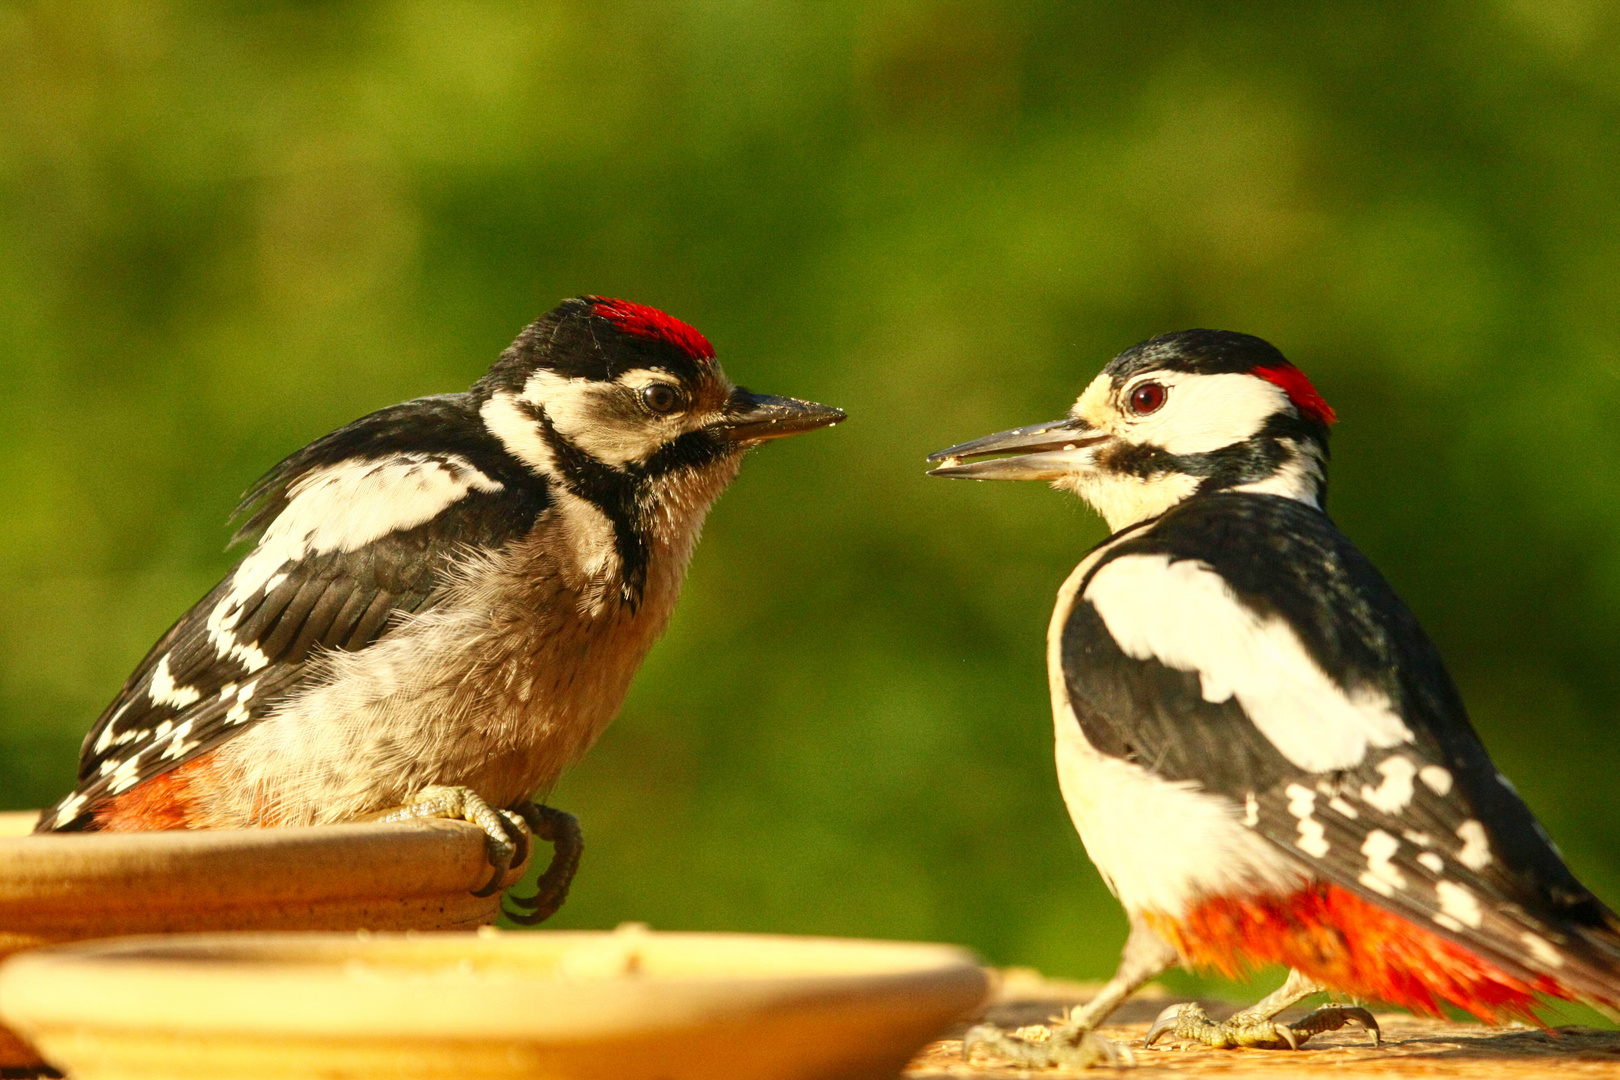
(1299, 391)
(169, 801)
(647, 322)
(1341, 940)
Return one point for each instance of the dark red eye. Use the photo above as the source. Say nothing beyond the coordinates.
(1148, 397)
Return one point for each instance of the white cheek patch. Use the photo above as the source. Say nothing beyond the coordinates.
(591, 415)
(518, 431)
(1095, 404)
(1183, 615)
(1124, 500)
(1206, 412)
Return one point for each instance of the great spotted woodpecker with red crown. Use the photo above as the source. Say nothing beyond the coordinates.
(1260, 748)
(447, 599)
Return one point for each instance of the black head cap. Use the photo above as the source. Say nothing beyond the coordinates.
(600, 338)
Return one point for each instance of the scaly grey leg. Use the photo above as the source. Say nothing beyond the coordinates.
(1255, 1027)
(1074, 1043)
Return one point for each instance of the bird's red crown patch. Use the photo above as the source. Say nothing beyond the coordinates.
(643, 321)
(1299, 391)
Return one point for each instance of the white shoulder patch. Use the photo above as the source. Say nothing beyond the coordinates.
(340, 507)
(346, 506)
(1184, 615)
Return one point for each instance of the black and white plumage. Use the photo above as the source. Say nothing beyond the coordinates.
(1259, 746)
(451, 591)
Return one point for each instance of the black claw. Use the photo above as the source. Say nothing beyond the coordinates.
(501, 867)
(561, 830)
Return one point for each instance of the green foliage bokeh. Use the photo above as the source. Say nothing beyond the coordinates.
(226, 228)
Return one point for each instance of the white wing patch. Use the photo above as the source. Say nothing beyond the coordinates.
(1183, 615)
(1381, 876)
(1436, 779)
(1394, 792)
(1458, 907)
(163, 690)
(340, 507)
(346, 506)
(1476, 849)
(1312, 837)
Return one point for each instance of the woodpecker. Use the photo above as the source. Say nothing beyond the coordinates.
(446, 600)
(1261, 749)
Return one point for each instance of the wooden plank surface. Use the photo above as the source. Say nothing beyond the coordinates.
(1412, 1047)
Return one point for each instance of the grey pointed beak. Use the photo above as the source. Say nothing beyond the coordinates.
(1037, 452)
(754, 418)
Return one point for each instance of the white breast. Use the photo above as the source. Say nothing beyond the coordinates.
(1161, 845)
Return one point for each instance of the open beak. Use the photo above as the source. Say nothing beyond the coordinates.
(754, 418)
(1038, 452)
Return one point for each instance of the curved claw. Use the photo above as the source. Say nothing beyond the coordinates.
(561, 830)
(1166, 1022)
(1334, 1017)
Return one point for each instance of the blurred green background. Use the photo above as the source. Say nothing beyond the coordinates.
(229, 227)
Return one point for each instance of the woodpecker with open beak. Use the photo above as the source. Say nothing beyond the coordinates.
(446, 600)
(1261, 750)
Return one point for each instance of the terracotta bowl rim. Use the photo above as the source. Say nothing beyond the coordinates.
(109, 872)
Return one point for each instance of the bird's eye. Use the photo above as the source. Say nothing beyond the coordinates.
(1149, 397)
(661, 398)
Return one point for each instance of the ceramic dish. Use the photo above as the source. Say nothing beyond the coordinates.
(562, 1005)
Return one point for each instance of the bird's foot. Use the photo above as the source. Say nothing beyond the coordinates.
(506, 832)
(1256, 1032)
(1070, 1045)
(561, 831)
